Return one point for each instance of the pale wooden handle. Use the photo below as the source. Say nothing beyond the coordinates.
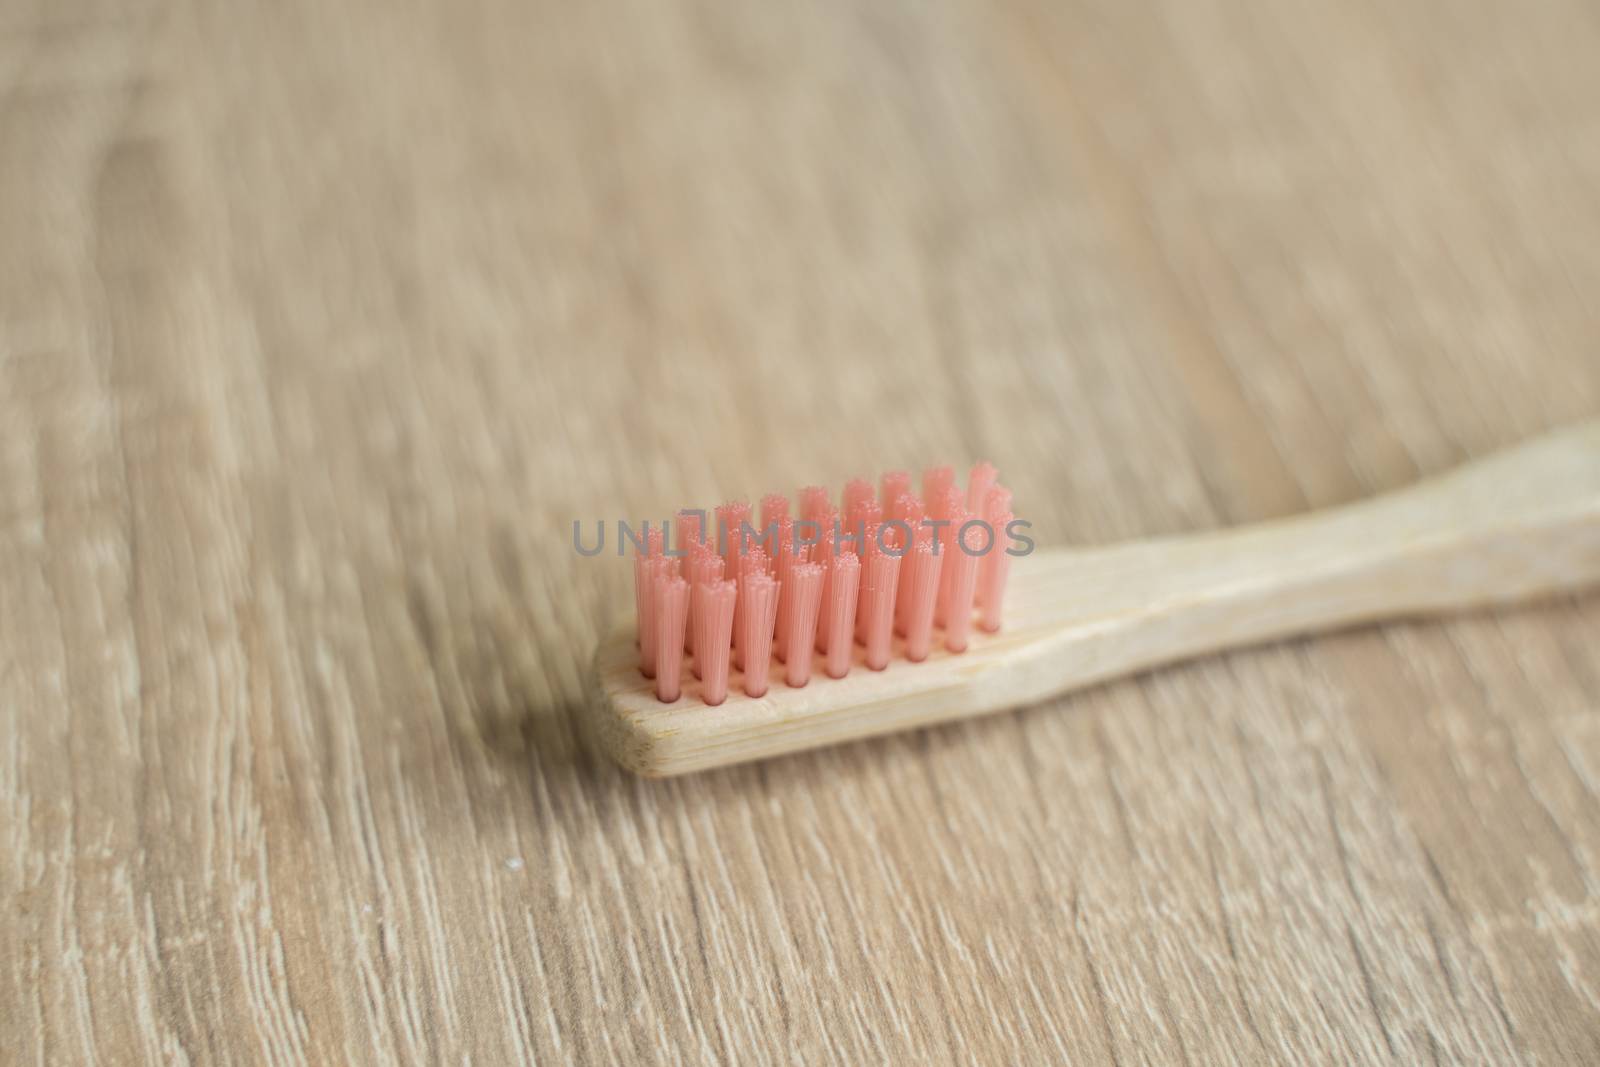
(1521, 524)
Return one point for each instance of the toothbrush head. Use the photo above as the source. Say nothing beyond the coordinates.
(882, 585)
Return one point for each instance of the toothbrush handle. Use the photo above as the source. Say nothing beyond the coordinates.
(1520, 524)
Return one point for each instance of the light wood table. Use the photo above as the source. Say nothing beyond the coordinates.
(320, 323)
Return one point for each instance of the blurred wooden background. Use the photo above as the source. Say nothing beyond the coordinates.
(321, 322)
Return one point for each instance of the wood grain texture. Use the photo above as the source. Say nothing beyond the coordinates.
(320, 323)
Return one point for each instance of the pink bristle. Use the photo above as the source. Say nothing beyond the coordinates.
(713, 632)
(999, 500)
(868, 551)
(935, 480)
(731, 518)
(769, 625)
(797, 540)
(857, 491)
(994, 567)
(809, 534)
(774, 508)
(919, 589)
(997, 513)
(694, 553)
(829, 521)
(840, 611)
(753, 562)
(802, 597)
(891, 486)
(979, 482)
(689, 533)
(962, 569)
(646, 571)
(751, 565)
(814, 500)
(907, 509)
(730, 544)
(881, 578)
(758, 609)
(768, 538)
(951, 512)
(705, 567)
(868, 517)
(671, 606)
(863, 524)
(820, 596)
(824, 553)
(788, 550)
(782, 569)
(900, 522)
(782, 547)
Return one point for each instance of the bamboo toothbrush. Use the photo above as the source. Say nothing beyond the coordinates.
(1520, 524)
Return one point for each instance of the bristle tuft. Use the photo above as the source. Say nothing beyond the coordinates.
(824, 553)
(691, 530)
(802, 599)
(907, 509)
(774, 508)
(879, 582)
(891, 486)
(786, 550)
(731, 518)
(999, 500)
(671, 607)
(814, 500)
(840, 609)
(705, 566)
(782, 569)
(751, 565)
(959, 587)
(713, 634)
(857, 491)
(862, 523)
(646, 571)
(953, 514)
(919, 590)
(758, 609)
(993, 568)
(935, 480)
(868, 549)
(979, 481)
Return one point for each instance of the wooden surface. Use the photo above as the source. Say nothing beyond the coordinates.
(320, 323)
